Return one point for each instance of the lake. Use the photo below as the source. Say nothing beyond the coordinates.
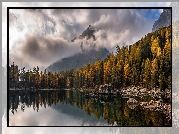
(73, 108)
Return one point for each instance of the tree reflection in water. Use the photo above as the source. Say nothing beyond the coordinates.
(112, 108)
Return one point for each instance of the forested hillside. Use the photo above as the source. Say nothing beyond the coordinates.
(146, 63)
(79, 60)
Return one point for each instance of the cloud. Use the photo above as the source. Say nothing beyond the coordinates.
(39, 37)
(41, 50)
(121, 26)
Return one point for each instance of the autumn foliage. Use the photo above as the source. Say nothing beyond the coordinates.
(146, 63)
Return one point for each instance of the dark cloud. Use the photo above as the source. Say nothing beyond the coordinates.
(31, 47)
(41, 51)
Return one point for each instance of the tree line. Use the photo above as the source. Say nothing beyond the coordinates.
(146, 63)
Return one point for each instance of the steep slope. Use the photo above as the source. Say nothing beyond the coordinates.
(163, 21)
(88, 33)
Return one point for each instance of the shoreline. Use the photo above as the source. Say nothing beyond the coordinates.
(153, 100)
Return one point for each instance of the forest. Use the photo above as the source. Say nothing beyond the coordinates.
(146, 63)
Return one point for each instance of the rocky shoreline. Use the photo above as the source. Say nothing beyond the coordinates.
(154, 99)
(128, 92)
(159, 101)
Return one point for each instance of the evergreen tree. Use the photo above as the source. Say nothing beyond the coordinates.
(147, 73)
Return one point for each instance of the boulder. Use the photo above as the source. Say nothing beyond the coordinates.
(132, 103)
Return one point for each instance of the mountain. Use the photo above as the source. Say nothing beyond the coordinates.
(79, 60)
(163, 21)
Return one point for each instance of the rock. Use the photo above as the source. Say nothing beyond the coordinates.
(160, 100)
(132, 103)
(96, 87)
(151, 102)
(125, 95)
(106, 88)
(143, 90)
(143, 104)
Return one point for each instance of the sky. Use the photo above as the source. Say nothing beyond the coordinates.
(39, 37)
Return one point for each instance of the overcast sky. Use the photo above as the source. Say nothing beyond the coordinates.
(39, 37)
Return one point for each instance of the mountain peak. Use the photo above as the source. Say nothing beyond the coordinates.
(163, 21)
(88, 34)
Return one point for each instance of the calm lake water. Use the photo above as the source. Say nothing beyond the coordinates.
(71, 108)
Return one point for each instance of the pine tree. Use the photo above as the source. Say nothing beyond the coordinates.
(147, 73)
(126, 74)
(154, 73)
(155, 46)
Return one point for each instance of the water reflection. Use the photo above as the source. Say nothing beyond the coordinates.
(104, 110)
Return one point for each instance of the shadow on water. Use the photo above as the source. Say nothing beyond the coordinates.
(113, 109)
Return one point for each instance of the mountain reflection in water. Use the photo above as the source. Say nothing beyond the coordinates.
(78, 110)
